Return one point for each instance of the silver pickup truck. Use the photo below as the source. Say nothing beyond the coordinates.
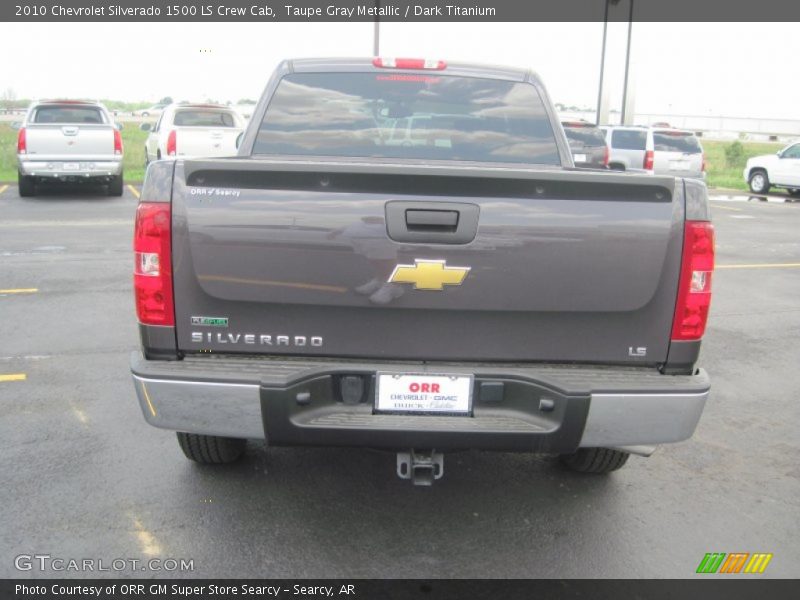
(470, 290)
(69, 141)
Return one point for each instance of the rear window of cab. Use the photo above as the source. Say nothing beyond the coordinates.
(204, 118)
(585, 136)
(68, 114)
(407, 116)
(629, 139)
(679, 141)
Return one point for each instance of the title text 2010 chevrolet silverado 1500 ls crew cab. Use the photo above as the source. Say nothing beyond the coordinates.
(470, 290)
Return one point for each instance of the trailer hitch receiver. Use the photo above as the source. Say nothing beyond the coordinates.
(422, 467)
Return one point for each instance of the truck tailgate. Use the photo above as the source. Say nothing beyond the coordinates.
(206, 141)
(274, 257)
(81, 142)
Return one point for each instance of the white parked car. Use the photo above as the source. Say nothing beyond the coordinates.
(153, 111)
(775, 170)
(193, 130)
(657, 150)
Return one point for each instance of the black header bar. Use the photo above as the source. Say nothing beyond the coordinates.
(396, 10)
(712, 588)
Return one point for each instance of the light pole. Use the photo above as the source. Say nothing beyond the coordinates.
(626, 118)
(602, 107)
(627, 112)
(376, 37)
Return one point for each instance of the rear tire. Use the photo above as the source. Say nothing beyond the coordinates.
(210, 449)
(794, 192)
(759, 182)
(115, 186)
(595, 460)
(27, 186)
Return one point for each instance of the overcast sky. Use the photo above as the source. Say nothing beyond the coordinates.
(731, 69)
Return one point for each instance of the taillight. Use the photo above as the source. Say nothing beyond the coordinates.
(694, 288)
(22, 142)
(649, 158)
(152, 272)
(172, 143)
(117, 142)
(409, 63)
(605, 156)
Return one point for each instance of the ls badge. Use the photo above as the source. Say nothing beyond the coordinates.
(429, 274)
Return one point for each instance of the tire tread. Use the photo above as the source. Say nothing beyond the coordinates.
(595, 460)
(116, 186)
(26, 186)
(767, 184)
(210, 449)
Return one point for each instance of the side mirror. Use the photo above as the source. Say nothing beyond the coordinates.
(15, 125)
(239, 140)
(145, 126)
(118, 126)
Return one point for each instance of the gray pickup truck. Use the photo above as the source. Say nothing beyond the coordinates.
(333, 285)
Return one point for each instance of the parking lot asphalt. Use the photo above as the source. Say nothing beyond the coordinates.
(84, 477)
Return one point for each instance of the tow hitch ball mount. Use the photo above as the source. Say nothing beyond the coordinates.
(422, 467)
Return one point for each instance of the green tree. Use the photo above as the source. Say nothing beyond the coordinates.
(8, 99)
(734, 155)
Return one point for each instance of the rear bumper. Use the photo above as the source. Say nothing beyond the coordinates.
(66, 169)
(296, 402)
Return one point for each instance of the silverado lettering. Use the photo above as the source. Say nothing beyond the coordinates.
(200, 337)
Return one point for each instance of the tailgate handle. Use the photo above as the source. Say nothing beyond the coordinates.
(432, 219)
(432, 222)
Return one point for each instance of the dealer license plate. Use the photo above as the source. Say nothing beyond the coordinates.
(678, 165)
(423, 393)
(71, 166)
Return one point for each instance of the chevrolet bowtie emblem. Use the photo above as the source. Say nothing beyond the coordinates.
(429, 274)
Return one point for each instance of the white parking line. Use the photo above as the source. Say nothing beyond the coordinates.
(726, 207)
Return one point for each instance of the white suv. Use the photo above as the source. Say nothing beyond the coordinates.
(658, 150)
(780, 170)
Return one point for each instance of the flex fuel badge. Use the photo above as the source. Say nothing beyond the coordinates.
(210, 321)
